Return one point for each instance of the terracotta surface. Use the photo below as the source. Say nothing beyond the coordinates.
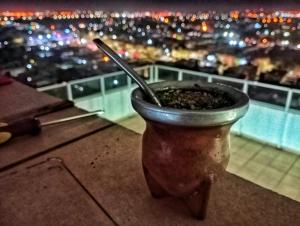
(24, 147)
(108, 164)
(18, 99)
(47, 194)
(184, 162)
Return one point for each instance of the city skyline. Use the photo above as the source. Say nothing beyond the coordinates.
(131, 5)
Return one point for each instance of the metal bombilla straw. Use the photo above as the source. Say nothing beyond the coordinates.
(128, 70)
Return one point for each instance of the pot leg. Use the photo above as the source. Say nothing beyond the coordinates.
(156, 190)
(197, 202)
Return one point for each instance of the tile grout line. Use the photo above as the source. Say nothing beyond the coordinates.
(90, 194)
(286, 173)
(240, 147)
(269, 165)
(251, 158)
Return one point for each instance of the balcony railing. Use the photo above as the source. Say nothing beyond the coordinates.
(273, 116)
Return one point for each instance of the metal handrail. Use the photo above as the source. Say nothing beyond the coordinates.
(204, 74)
(50, 87)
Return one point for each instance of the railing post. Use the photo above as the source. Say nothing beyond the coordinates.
(286, 113)
(102, 86)
(128, 82)
(209, 79)
(245, 90)
(245, 86)
(151, 72)
(69, 92)
(155, 73)
(180, 77)
(288, 101)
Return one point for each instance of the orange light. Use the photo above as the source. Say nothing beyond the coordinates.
(204, 27)
(105, 58)
(234, 14)
(193, 18)
(52, 27)
(269, 20)
(264, 40)
(166, 20)
(264, 20)
(280, 20)
(275, 20)
(289, 20)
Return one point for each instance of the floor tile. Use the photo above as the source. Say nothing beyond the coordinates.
(297, 163)
(233, 167)
(249, 149)
(269, 178)
(251, 171)
(236, 143)
(295, 171)
(135, 123)
(289, 186)
(266, 155)
(239, 160)
(283, 162)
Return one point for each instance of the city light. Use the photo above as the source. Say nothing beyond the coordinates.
(243, 61)
(242, 44)
(106, 59)
(149, 42)
(213, 39)
(211, 58)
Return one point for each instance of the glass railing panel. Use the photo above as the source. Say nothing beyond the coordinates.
(60, 92)
(295, 103)
(186, 76)
(90, 103)
(82, 89)
(291, 138)
(236, 85)
(236, 128)
(268, 95)
(264, 123)
(167, 75)
(116, 81)
(116, 104)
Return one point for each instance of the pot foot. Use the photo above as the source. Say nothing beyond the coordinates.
(197, 202)
(156, 190)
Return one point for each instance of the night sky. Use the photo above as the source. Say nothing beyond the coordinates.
(187, 5)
